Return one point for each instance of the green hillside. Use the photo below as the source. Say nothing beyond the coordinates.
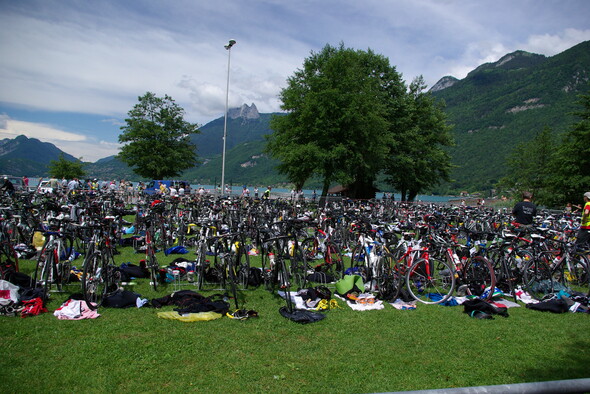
(502, 104)
(245, 164)
(28, 156)
(239, 130)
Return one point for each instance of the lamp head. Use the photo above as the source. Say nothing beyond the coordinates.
(230, 44)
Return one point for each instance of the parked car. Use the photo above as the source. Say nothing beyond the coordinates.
(45, 188)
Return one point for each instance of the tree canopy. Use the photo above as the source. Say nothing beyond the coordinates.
(348, 111)
(62, 168)
(556, 172)
(417, 160)
(571, 164)
(529, 166)
(157, 138)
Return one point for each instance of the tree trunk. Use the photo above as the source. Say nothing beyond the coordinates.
(325, 187)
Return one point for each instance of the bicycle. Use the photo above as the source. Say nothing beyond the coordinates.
(100, 277)
(54, 262)
(322, 257)
(428, 279)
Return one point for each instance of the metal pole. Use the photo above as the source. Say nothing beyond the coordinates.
(228, 47)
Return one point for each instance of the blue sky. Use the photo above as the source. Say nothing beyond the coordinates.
(70, 70)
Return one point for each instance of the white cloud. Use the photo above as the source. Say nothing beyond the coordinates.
(88, 150)
(98, 57)
(552, 44)
(39, 131)
(77, 145)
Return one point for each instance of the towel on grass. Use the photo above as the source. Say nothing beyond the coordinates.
(362, 307)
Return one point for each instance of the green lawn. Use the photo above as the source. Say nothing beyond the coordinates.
(132, 350)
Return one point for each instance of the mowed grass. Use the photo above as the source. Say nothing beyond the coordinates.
(132, 350)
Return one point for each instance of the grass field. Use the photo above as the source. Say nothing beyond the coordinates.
(132, 350)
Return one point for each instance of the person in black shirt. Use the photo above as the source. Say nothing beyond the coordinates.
(7, 186)
(524, 211)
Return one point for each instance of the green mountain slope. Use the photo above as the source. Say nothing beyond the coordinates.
(246, 163)
(502, 104)
(239, 130)
(28, 156)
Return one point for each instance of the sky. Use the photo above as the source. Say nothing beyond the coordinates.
(71, 70)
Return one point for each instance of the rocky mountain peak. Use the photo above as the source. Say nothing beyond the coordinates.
(244, 112)
(443, 83)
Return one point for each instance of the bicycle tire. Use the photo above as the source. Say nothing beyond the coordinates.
(93, 280)
(502, 273)
(200, 265)
(357, 256)
(285, 284)
(478, 275)
(232, 277)
(154, 269)
(47, 275)
(430, 281)
(574, 275)
(388, 278)
(242, 268)
(537, 278)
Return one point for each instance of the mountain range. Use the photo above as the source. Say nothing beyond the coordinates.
(495, 107)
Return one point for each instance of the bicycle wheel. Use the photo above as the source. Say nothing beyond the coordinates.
(478, 275)
(333, 264)
(201, 265)
(232, 277)
(430, 281)
(93, 283)
(47, 273)
(388, 278)
(358, 260)
(154, 268)
(309, 249)
(242, 268)
(64, 263)
(501, 272)
(573, 274)
(537, 279)
(269, 276)
(284, 283)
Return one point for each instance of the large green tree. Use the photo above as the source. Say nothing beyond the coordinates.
(62, 168)
(418, 160)
(157, 138)
(571, 164)
(337, 123)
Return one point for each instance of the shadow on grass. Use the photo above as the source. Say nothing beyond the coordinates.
(571, 363)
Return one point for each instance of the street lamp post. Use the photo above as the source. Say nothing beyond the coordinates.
(230, 44)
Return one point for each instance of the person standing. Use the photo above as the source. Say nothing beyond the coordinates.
(73, 184)
(583, 235)
(524, 211)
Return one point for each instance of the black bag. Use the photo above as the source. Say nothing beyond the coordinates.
(20, 279)
(483, 306)
(255, 277)
(301, 316)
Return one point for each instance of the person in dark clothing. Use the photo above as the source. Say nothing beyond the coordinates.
(524, 211)
(7, 186)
